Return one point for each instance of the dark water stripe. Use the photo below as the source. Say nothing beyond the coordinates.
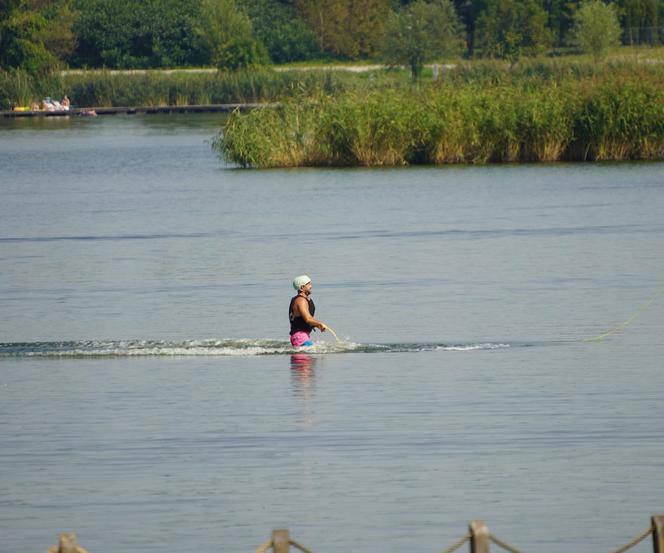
(499, 233)
(464, 234)
(86, 349)
(474, 234)
(118, 237)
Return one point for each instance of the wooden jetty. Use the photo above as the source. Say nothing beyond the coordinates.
(205, 108)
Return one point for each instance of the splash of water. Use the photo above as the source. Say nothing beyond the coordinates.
(130, 348)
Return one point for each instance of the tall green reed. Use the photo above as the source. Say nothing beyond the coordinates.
(272, 137)
(20, 88)
(620, 120)
(155, 88)
(523, 121)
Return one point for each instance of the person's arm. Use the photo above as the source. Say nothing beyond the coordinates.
(301, 308)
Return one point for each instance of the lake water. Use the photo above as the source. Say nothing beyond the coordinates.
(150, 401)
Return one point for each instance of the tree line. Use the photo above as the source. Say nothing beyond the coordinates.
(40, 35)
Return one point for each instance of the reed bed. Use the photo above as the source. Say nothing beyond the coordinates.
(269, 137)
(502, 120)
(108, 89)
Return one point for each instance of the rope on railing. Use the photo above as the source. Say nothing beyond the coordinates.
(263, 548)
(300, 547)
(635, 541)
(505, 546)
(268, 544)
(458, 544)
(624, 548)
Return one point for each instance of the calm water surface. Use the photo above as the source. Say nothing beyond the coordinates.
(150, 402)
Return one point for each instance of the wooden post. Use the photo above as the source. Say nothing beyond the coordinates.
(280, 541)
(658, 533)
(479, 537)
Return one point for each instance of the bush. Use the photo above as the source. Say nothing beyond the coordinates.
(421, 33)
(596, 28)
(509, 28)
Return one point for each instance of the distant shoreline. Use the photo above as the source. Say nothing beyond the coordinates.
(208, 108)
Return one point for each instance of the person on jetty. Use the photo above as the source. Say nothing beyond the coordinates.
(301, 314)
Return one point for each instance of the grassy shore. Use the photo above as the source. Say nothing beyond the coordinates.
(164, 88)
(477, 113)
(546, 109)
(192, 86)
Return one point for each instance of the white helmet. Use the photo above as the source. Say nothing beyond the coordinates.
(300, 281)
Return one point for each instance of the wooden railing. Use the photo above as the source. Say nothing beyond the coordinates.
(478, 537)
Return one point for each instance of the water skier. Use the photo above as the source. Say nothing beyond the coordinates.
(301, 314)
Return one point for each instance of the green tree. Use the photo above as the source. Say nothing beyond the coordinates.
(276, 25)
(168, 28)
(422, 32)
(366, 28)
(469, 11)
(511, 28)
(226, 35)
(165, 33)
(560, 18)
(107, 35)
(596, 28)
(640, 21)
(36, 35)
(153, 33)
(343, 29)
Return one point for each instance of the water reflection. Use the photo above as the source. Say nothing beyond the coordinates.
(302, 374)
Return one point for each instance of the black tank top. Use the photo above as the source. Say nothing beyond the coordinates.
(297, 324)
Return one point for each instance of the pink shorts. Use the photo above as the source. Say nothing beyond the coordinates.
(299, 339)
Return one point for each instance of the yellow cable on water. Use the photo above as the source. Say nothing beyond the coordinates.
(617, 328)
(333, 333)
